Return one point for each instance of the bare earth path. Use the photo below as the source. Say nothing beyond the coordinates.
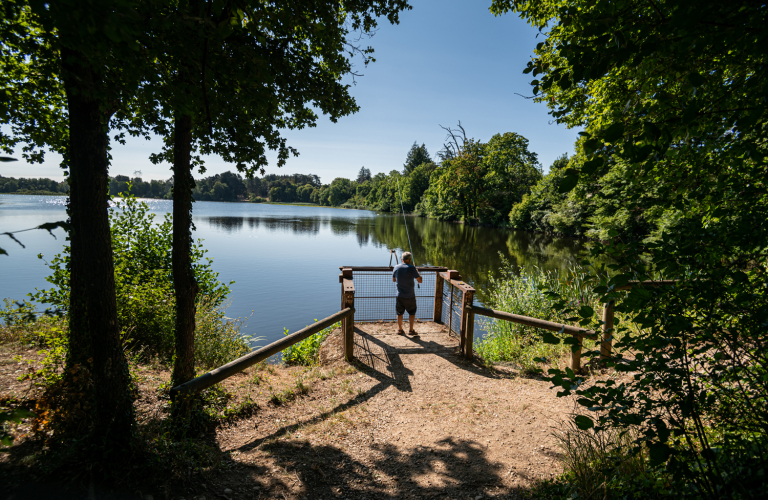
(411, 419)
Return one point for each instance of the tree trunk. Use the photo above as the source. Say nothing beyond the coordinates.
(184, 284)
(94, 333)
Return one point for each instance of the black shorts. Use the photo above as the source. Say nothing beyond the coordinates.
(405, 304)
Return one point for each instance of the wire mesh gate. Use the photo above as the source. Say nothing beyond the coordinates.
(451, 313)
(376, 293)
(442, 298)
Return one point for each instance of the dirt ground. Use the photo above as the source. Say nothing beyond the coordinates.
(413, 420)
(409, 419)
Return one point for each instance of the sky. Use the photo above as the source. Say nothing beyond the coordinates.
(447, 61)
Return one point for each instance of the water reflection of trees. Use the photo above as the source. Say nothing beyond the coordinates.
(475, 251)
(306, 225)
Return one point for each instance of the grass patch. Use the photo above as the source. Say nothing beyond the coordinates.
(307, 352)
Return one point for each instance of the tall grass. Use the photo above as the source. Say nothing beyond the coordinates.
(524, 291)
(218, 339)
(597, 464)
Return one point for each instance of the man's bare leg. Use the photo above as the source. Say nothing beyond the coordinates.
(411, 319)
(400, 324)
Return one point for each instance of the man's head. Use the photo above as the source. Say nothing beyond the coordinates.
(407, 258)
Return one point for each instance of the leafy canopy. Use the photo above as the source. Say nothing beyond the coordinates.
(672, 96)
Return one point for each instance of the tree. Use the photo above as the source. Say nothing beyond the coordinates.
(509, 171)
(276, 193)
(363, 175)
(70, 70)
(672, 97)
(340, 191)
(480, 181)
(231, 77)
(417, 155)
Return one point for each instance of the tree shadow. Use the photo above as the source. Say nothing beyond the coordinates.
(453, 468)
(450, 468)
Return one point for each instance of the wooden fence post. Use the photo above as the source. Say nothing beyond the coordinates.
(437, 316)
(606, 345)
(467, 320)
(348, 325)
(450, 308)
(470, 335)
(576, 355)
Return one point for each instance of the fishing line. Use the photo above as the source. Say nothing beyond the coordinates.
(405, 220)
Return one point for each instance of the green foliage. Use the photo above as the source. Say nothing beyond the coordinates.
(481, 182)
(239, 111)
(672, 96)
(306, 352)
(140, 188)
(593, 208)
(8, 417)
(417, 155)
(144, 285)
(32, 186)
(220, 187)
(524, 291)
(218, 339)
(340, 191)
(596, 463)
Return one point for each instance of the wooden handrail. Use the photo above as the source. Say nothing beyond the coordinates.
(389, 268)
(533, 322)
(606, 340)
(217, 375)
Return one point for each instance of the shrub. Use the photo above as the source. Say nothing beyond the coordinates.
(144, 288)
(218, 339)
(257, 199)
(595, 462)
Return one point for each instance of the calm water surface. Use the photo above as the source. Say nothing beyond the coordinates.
(285, 259)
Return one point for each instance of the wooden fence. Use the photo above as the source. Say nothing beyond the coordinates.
(606, 337)
(453, 305)
(250, 359)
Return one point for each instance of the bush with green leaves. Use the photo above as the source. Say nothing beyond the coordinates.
(307, 352)
(144, 288)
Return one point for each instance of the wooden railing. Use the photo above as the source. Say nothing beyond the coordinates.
(250, 359)
(577, 332)
(452, 278)
(606, 341)
(468, 311)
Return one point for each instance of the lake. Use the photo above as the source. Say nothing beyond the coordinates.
(285, 259)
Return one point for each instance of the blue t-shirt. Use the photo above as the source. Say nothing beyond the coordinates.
(405, 274)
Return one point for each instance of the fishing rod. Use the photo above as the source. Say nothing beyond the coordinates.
(405, 221)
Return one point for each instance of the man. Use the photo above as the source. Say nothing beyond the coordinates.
(403, 275)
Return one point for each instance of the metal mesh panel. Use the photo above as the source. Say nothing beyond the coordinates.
(375, 295)
(452, 298)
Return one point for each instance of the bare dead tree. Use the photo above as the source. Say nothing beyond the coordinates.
(455, 140)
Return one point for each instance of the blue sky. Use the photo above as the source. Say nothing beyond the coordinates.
(447, 60)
